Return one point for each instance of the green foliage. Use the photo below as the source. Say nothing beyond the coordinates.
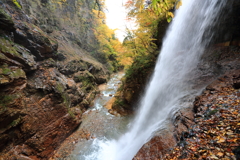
(107, 44)
(140, 43)
(140, 67)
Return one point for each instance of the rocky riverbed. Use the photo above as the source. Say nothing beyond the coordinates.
(97, 123)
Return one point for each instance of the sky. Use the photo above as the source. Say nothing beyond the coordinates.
(116, 17)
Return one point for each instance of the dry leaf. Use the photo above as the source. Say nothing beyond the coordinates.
(220, 154)
(221, 140)
(214, 157)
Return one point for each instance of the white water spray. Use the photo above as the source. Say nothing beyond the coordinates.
(185, 42)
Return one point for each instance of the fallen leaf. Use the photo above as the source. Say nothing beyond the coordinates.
(221, 140)
(214, 157)
(220, 154)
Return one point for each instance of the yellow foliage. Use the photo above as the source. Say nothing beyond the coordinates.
(17, 4)
(170, 14)
(179, 4)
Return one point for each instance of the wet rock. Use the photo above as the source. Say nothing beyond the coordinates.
(157, 146)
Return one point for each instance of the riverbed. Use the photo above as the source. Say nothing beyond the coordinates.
(97, 126)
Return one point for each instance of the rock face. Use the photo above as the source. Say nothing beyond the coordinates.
(47, 79)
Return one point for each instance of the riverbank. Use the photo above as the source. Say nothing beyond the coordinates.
(96, 122)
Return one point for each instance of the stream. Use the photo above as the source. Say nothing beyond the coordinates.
(102, 125)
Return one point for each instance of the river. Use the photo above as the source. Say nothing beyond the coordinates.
(102, 125)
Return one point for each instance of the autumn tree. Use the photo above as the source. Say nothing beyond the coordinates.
(108, 45)
(146, 14)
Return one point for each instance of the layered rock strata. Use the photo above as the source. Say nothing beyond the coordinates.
(47, 78)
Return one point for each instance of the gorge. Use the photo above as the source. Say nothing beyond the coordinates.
(54, 54)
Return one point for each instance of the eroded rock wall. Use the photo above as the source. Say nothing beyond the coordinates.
(47, 78)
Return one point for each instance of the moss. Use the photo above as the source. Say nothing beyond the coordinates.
(59, 88)
(6, 71)
(7, 46)
(66, 100)
(17, 4)
(70, 112)
(16, 122)
(7, 99)
(87, 85)
(6, 16)
(18, 73)
(12, 74)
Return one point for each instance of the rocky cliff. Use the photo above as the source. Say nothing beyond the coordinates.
(47, 76)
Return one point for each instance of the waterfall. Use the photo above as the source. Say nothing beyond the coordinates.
(185, 42)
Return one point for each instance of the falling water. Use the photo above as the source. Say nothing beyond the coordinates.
(185, 42)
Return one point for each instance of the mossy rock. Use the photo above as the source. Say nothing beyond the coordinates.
(6, 22)
(7, 46)
(49, 63)
(7, 75)
(6, 100)
(74, 66)
(84, 76)
(59, 88)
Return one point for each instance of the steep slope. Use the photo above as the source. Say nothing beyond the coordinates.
(47, 76)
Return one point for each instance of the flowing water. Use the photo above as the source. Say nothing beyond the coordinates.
(102, 125)
(186, 39)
